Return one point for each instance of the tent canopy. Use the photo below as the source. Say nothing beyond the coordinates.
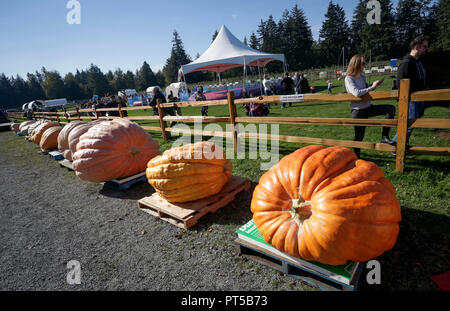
(228, 52)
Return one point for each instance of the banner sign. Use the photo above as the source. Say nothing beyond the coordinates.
(292, 98)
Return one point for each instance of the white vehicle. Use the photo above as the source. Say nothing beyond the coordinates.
(175, 88)
(34, 105)
(44, 104)
(150, 89)
(56, 102)
(128, 93)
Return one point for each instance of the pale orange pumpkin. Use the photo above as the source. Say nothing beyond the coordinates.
(113, 149)
(63, 139)
(74, 137)
(325, 205)
(190, 172)
(39, 131)
(49, 139)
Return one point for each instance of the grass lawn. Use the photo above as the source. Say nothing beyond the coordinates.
(422, 190)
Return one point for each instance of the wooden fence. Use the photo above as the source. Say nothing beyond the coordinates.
(403, 96)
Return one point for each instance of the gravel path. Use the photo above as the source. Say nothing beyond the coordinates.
(48, 217)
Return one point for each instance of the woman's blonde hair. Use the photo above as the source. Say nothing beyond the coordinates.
(355, 66)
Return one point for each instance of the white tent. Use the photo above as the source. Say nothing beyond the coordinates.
(228, 52)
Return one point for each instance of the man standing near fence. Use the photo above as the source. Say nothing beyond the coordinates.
(288, 87)
(412, 68)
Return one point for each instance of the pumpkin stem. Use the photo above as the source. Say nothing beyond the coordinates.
(300, 210)
(134, 150)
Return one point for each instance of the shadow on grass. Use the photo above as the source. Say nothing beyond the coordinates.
(420, 252)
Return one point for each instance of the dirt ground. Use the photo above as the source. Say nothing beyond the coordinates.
(48, 217)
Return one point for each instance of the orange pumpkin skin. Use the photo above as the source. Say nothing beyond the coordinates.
(49, 139)
(325, 205)
(113, 149)
(74, 138)
(190, 172)
(63, 139)
(39, 131)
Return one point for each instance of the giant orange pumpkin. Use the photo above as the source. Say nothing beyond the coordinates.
(113, 149)
(39, 131)
(63, 139)
(74, 137)
(190, 172)
(325, 205)
(49, 139)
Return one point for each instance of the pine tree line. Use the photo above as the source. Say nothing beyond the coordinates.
(291, 35)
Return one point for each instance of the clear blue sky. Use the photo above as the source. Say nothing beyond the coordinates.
(124, 34)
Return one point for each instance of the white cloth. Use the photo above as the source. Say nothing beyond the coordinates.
(357, 87)
(266, 84)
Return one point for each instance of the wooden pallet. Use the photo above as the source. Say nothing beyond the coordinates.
(66, 163)
(127, 182)
(186, 215)
(55, 155)
(297, 271)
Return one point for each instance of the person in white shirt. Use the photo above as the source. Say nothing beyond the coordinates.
(266, 85)
(355, 84)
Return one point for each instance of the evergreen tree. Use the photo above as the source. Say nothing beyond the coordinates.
(300, 40)
(118, 82)
(97, 82)
(72, 89)
(129, 80)
(145, 77)
(334, 34)
(160, 79)
(408, 19)
(214, 35)
(378, 40)
(440, 37)
(34, 87)
(7, 98)
(245, 41)
(53, 85)
(177, 58)
(356, 27)
(254, 44)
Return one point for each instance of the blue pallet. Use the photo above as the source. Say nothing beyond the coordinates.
(127, 182)
(56, 155)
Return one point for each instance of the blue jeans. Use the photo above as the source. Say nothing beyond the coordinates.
(415, 112)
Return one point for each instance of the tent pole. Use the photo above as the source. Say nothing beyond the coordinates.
(260, 79)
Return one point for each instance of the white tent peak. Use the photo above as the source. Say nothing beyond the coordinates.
(228, 52)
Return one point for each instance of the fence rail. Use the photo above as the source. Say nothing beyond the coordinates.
(403, 96)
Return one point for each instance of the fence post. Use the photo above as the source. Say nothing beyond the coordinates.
(78, 113)
(120, 110)
(233, 113)
(161, 119)
(96, 113)
(66, 115)
(402, 125)
(57, 118)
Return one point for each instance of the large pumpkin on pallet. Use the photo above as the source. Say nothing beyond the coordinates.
(24, 126)
(28, 130)
(190, 172)
(325, 205)
(74, 137)
(113, 149)
(49, 139)
(63, 139)
(15, 127)
(39, 131)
